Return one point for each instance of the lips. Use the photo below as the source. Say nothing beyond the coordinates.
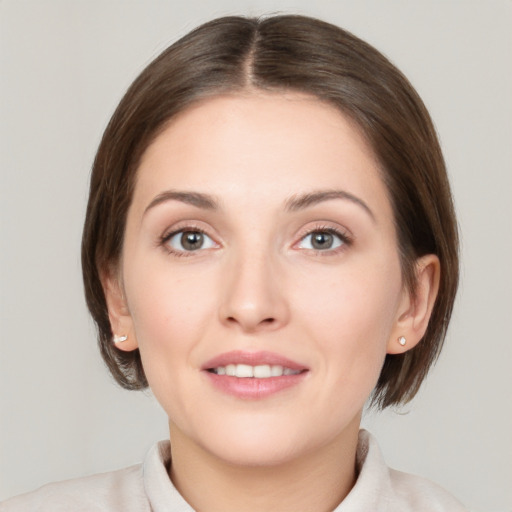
(252, 359)
(253, 375)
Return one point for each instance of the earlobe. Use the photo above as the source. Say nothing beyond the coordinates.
(415, 311)
(118, 314)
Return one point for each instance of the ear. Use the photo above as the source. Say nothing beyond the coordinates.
(118, 313)
(415, 310)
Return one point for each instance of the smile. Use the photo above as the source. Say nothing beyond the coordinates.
(245, 371)
(251, 375)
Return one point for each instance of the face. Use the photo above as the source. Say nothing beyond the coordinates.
(261, 276)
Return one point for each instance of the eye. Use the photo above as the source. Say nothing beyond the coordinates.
(189, 241)
(322, 240)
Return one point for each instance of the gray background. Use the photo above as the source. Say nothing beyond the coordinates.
(64, 66)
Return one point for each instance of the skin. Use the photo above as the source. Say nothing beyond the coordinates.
(258, 284)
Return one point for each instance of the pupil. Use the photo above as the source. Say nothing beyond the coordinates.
(191, 240)
(322, 240)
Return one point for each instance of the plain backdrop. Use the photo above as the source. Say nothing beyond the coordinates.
(65, 65)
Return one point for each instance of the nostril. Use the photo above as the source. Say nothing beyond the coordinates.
(264, 321)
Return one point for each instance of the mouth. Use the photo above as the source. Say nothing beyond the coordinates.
(249, 375)
(261, 371)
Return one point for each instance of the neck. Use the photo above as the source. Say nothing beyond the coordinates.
(316, 481)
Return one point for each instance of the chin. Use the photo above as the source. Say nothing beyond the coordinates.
(265, 441)
(271, 452)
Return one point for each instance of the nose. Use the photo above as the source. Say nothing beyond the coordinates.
(254, 298)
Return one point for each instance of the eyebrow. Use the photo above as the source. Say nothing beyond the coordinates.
(312, 198)
(204, 201)
(295, 203)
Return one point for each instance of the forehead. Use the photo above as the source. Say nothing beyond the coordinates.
(260, 144)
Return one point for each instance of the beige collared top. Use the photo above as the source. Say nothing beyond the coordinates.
(147, 488)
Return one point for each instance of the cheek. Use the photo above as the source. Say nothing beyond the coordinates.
(169, 309)
(351, 315)
(354, 300)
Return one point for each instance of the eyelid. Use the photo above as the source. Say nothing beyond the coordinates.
(187, 225)
(183, 227)
(342, 233)
(208, 243)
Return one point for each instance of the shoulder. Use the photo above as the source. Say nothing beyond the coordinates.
(381, 488)
(105, 492)
(419, 494)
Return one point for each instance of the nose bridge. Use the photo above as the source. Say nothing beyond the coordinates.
(254, 298)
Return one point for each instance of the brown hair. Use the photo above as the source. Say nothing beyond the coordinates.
(283, 53)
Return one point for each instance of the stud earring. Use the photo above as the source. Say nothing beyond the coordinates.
(119, 339)
(402, 341)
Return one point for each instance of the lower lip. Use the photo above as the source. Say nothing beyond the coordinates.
(252, 388)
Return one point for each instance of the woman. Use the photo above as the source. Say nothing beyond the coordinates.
(270, 239)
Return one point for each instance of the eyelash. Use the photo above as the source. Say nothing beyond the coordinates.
(346, 240)
(164, 240)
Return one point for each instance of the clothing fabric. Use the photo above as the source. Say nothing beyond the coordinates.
(147, 488)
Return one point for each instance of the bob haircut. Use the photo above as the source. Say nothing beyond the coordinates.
(233, 55)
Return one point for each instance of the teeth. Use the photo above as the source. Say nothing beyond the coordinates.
(244, 370)
(262, 371)
(276, 371)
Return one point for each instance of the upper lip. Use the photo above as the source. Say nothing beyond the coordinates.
(252, 359)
